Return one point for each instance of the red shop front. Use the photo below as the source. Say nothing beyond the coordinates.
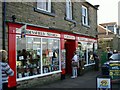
(40, 51)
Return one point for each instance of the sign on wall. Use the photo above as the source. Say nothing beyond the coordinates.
(63, 58)
(115, 70)
(39, 33)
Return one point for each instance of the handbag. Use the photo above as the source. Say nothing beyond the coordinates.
(74, 64)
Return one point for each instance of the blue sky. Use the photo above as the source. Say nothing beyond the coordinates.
(108, 10)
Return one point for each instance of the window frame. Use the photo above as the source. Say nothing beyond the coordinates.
(69, 10)
(48, 7)
(85, 17)
(42, 74)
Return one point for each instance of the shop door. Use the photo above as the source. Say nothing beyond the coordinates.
(70, 48)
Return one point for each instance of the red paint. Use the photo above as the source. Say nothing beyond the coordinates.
(69, 45)
(70, 48)
(12, 56)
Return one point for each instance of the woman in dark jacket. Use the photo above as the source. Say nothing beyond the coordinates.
(96, 59)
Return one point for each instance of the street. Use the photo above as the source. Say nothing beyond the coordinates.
(86, 81)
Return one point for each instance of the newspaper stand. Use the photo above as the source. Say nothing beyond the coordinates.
(103, 82)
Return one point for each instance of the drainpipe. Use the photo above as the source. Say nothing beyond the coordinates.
(3, 24)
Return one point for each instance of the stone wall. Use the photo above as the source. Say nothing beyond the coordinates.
(25, 12)
(39, 81)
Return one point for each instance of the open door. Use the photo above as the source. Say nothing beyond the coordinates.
(70, 48)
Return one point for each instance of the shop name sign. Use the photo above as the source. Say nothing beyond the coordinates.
(33, 32)
(86, 39)
(69, 37)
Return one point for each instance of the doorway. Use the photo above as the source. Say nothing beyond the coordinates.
(70, 48)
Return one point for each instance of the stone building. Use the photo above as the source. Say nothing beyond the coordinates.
(43, 36)
(109, 36)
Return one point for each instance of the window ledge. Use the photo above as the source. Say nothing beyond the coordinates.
(70, 20)
(44, 12)
(86, 25)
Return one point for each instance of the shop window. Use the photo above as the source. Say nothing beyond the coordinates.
(36, 56)
(86, 52)
(28, 56)
(50, 55)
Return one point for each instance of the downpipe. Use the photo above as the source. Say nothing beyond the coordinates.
(3, 24)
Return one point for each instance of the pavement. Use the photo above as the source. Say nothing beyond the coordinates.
(86, 81)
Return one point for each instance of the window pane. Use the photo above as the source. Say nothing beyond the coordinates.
(69, 9)
(50, 55)
(44, 5)
(28, 58)
(84, 16)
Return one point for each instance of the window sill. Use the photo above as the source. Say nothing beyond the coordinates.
(44, 12)
(70, 20)
(86, 25)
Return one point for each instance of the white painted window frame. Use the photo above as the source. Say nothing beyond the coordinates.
(85, 17)
(42, 74)
(44, 6)
(69, 9)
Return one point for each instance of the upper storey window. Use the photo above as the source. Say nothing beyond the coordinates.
(68, 9)
(84, 15)
(44, 5)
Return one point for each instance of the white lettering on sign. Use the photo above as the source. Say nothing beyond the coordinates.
(69, 37)
(86, 39)
(33, 32)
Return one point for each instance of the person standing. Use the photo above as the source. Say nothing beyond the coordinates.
(109, 53)
(74, 65)
(96, 59)
(6, 70)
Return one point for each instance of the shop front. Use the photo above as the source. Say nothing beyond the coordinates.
(39, 51)
(86, 47)
(34, 54)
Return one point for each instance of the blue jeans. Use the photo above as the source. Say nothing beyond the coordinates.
(74, 71)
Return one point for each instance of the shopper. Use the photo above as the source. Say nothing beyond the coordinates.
(6, 70)
(109, 53)
(96, 59)
(74, 65)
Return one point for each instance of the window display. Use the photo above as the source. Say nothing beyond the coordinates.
(50, 55)
(28, 60)
(86, 52)
(36, 56)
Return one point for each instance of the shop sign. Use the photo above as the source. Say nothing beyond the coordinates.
(86, 39)
(115, 70)
(103, 83)
(63, 58)
(82, 39)
(69, 37)
(34, 32)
